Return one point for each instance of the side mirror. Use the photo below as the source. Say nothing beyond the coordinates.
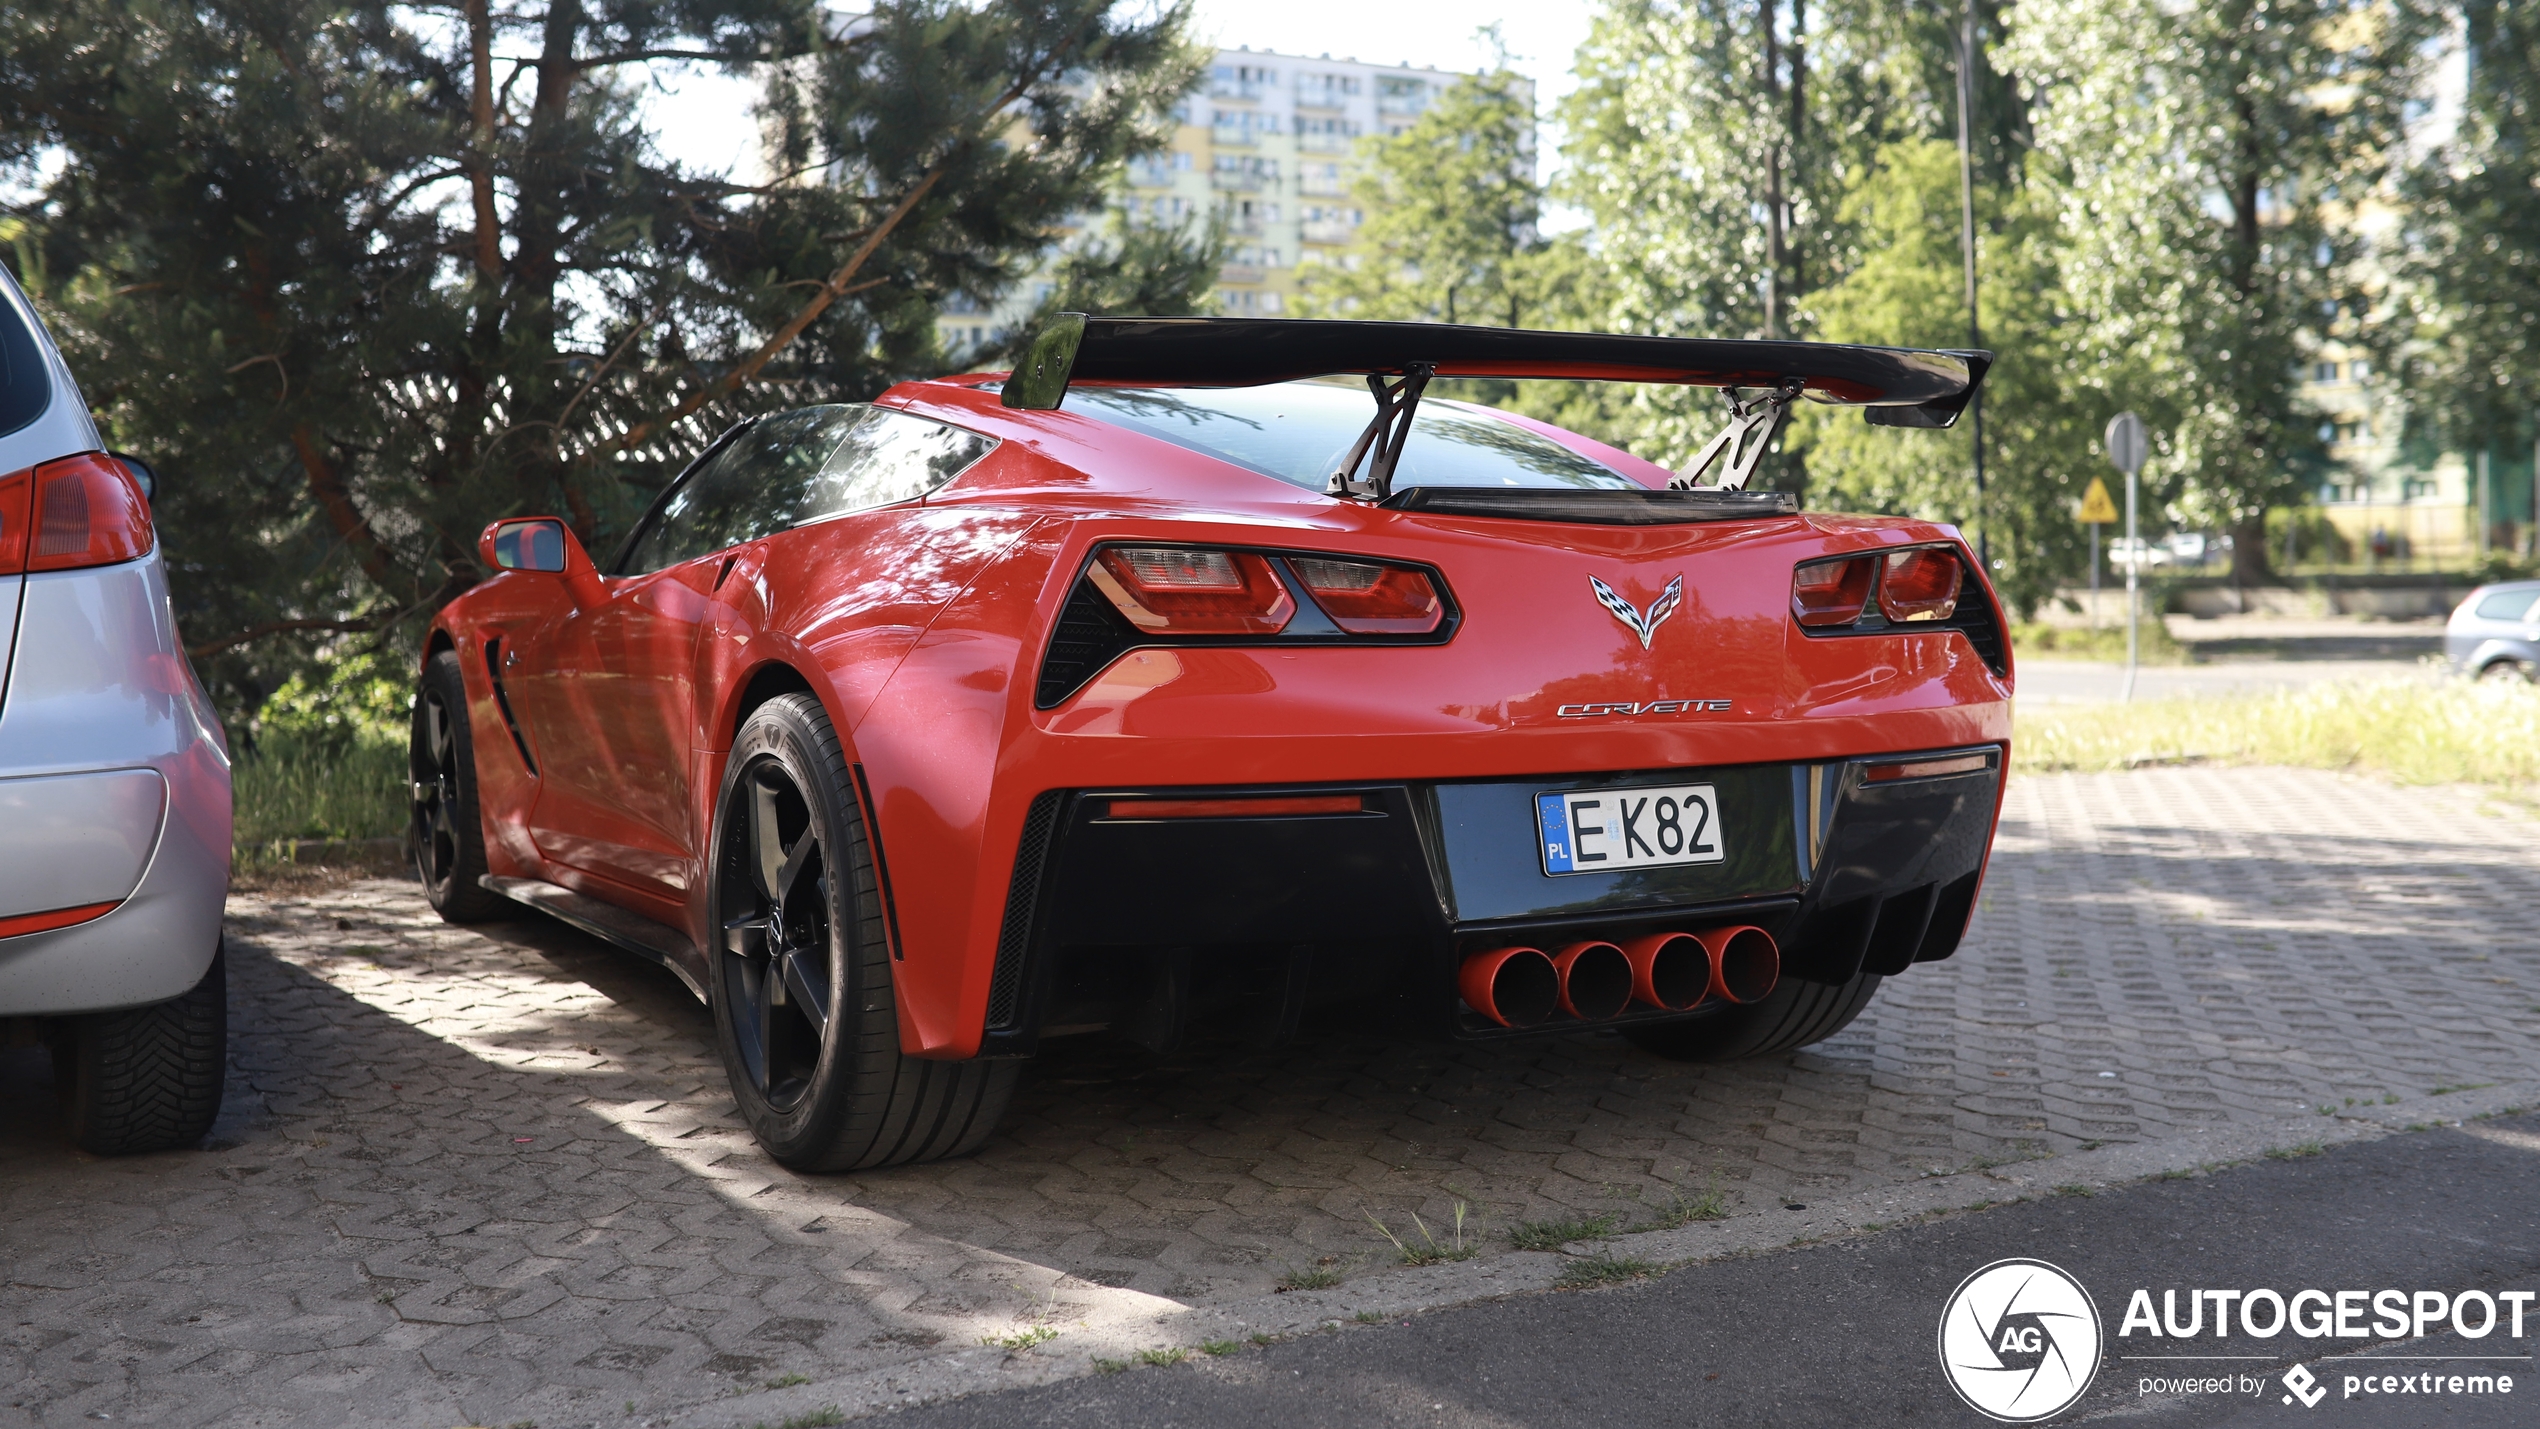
(144, 475)
(544, 545)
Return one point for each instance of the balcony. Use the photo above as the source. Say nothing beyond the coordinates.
(1333, 233)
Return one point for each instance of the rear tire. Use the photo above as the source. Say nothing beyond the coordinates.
(146, 1078)
(1795, 1014)
(2509, 671)
(445, 832)
(804, 1009)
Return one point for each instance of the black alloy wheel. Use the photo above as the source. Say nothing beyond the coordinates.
(805, 1011)
(776, 937)
(444, 834)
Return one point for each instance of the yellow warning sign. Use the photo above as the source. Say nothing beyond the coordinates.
(2096, 508)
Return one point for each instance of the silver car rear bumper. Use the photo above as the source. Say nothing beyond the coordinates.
(114, 787)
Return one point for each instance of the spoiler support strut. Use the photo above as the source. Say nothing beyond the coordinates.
(1380, 446)
(1745, 439)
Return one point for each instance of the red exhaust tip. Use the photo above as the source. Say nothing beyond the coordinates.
(1744, 962)
(1514, 987)
(1596, 980)
(1670, 970)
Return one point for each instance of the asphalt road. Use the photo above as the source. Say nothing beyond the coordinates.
(1844, 1333)
(2244, 655)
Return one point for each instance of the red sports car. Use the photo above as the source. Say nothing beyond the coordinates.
(1168, 683)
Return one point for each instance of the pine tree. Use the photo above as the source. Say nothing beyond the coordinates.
(361, 277)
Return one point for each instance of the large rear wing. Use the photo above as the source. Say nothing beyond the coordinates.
(1895, 387)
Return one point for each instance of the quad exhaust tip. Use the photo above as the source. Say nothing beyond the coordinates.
(1514, 987)
(1597, 981)
(1670, 971)
(1745, 965)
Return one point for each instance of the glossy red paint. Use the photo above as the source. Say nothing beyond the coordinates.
(920, 627)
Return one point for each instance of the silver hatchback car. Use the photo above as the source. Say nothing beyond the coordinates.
(2495, 634)
(114, 779)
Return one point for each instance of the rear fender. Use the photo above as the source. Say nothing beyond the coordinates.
(935, 746)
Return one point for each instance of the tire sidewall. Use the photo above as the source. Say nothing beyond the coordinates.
(782, 732)
(441, 679)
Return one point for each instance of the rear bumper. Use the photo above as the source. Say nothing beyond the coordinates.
(117, 793)
(1147, 926)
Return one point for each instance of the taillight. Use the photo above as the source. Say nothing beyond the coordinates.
(1831, 592)
(80, 511)
(1920, 584)
(17, 492)
(1365, 598)
(1170, 590)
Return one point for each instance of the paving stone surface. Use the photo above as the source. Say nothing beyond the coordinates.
(493, 1175)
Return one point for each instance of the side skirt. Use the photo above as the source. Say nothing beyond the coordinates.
(605, 921)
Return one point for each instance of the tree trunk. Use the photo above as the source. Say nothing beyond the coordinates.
(2249, 566)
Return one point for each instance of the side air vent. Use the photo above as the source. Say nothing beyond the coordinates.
(1090, 635)
(1022, 901)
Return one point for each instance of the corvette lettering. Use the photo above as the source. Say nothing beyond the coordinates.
(1644, 707)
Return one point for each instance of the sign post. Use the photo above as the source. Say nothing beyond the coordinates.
(2127, 446)
(2096, 511)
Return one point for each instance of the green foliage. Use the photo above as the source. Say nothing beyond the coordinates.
(2042, 404)
(1594, 1270)
(1554, 1234)
(2207, 161)
(1128, 269)
(1452, 205)
(360, 278)
(1715, 148)
(2475, 242)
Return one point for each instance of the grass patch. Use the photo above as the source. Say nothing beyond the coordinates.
(1680, 1210)
(1594, 1270)
(319, 784)
(1173, 1356)
(1429, 1251)
(2449, 1088)
(1552, 1235)
(1311, 1277)
(2064, 642)
(1021, 1340)
(2074, 1190)
(2455, 732)
(1220, 1348)
(1368, 1317)
(1109, 1366)
(788, 1381)
(2295, 1153)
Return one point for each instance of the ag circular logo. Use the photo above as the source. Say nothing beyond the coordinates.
(2019, 1341)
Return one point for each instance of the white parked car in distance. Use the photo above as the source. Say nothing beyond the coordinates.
(114, 779)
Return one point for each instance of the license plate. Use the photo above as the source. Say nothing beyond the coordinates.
(1611, 830)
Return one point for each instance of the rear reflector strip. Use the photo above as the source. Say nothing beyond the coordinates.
(26, 923)
(1929, 768)
(1236, 808)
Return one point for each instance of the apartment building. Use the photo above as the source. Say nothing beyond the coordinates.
(1267, 141)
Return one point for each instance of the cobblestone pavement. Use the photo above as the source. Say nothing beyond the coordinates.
(493, 1175)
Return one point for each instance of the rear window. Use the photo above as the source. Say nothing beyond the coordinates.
(2507, 604)
(26, 388)
(1300, 431)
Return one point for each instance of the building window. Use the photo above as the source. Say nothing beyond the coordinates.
(1324, 179)
(2358, 370)
(2323, 372)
